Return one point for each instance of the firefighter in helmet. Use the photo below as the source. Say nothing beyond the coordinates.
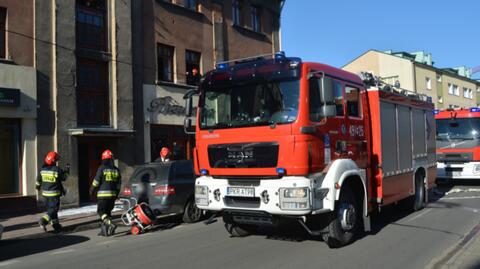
(107, 184)
(49, 182)
(164, 155)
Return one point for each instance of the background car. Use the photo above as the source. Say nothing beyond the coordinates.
(167, 187)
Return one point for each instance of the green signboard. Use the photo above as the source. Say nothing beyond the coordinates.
(9, 97)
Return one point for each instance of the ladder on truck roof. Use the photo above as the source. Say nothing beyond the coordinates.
(371, 80)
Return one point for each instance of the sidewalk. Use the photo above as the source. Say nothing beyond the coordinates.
(465, 255)
(75, 219)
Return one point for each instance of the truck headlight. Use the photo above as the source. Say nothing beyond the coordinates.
(201, 195)
(294, 198)
(476, 168)
(295, 192)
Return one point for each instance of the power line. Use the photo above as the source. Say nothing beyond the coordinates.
(73, 50)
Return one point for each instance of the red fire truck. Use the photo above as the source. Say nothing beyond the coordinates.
(458, 144)
(279, 139)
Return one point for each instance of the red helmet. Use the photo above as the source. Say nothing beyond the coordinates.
(51, 158)
(107, 154)
(164, 152)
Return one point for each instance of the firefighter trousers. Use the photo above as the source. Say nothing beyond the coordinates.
(104, 209)
(53, 205)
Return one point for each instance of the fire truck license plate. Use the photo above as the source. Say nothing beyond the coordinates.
(240, 191)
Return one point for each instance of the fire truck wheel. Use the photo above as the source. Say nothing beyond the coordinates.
(192, 213)
(345, 222)
(419, 197)
(237, 230)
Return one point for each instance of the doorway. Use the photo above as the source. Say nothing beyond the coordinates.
(89, 159)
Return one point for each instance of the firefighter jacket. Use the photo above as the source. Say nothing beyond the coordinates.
(107, 181)
(49, 181)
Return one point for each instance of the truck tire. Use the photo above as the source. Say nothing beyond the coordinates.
(237, 230)
(345, 222)
(191, 213)
(419, 196)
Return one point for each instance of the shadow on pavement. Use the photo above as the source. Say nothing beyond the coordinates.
(15, 248)
(21, 226)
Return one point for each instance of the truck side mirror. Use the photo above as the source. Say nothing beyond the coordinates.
(328, 111)
(326, 90)
(327, 99)
(187, 125)
(188, 107)
(188, 102)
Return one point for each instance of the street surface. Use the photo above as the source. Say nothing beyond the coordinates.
(399, 240)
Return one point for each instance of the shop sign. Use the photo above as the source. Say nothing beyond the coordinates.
(167, 106)
(9, 97)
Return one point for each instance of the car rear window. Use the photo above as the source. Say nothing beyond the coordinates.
(150, 174)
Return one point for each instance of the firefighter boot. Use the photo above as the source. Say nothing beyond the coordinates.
(103, 230)
(57, 228)
(111, 229)
(43, 222)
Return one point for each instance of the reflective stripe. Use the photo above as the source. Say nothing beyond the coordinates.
(106, 194)
(104, 216)
(51, 193)
(95, 183)
(46, 217)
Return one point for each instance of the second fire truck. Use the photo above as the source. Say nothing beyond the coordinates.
(279, 139)
(458, 144)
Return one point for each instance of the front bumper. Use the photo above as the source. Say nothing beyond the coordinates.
(469, 170)
(266, 196)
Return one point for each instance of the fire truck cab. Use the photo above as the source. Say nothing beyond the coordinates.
(458, 144)
(279, 139)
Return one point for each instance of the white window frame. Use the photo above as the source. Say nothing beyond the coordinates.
(428, 83)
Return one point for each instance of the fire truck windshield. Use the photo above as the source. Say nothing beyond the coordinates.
(458, 129)
(257, 104)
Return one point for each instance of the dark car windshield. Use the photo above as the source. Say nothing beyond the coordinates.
(250, 105)
(458, 129)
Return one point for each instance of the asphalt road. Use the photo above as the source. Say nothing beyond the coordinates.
(399, 240)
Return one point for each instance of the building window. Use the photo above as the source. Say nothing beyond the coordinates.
(453, 89)
(191, 4)
(428, 83)
(468, 93)
(256, 19)
(192, 64)
(3, 33)
(92, 93)
(91, 24)
(10, 157)
(353, 101)
(237, 12)
(439, 78)
(165, 62)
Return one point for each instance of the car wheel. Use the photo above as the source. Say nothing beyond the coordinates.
(345, 222)
(192, 213)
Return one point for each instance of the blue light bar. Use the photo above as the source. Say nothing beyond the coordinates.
(203, 172)
(474, 109)
(222, 66)
(280, 171)
(436, 111)
(280, 55)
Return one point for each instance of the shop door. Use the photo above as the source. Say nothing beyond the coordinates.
(89, 157)
(173, 137)
(9, 157)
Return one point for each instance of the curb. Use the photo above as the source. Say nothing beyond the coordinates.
(72, 228)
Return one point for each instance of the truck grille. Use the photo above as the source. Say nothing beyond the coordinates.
(244, 155)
